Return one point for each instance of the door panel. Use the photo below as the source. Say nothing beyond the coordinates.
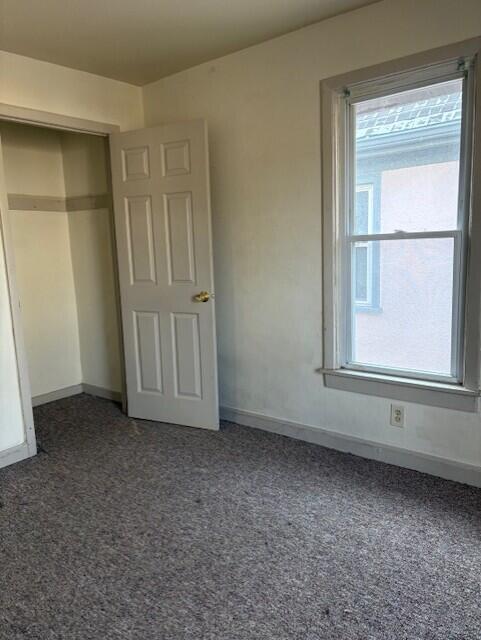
(148, 352)
(135, 164)
(180, 237)
(187, 365)
(140, 241)
(163, 229)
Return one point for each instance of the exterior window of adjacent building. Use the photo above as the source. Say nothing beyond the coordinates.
(400, 233)
(366, 258)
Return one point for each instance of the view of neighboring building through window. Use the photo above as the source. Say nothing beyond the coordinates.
(406, 234)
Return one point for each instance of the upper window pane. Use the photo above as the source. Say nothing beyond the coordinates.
(408, 147)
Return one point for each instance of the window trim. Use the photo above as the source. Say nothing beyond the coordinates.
(390, 77)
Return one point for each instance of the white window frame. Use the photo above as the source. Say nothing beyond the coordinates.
(460, 392)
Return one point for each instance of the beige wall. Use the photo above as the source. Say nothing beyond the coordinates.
(33, 165)
(47, 296)
(90, 241)
(34, 160)
(26, 82)
(85, 164)
(91, 234)
(262, 107)
(64, 260)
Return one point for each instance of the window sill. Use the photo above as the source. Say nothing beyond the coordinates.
(436, 394)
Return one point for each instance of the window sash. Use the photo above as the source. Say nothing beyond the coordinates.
(405, 81)
(404, 235)
(348, 306)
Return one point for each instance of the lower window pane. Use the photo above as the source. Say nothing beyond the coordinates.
(411, 327)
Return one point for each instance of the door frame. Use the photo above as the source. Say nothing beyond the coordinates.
(49, 120)
(46, 119)
(28, 447)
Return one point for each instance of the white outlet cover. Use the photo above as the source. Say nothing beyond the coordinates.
(397, 415)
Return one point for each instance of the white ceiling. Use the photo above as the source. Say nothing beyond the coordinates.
(139, 41)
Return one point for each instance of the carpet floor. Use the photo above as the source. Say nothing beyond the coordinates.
(123, 529)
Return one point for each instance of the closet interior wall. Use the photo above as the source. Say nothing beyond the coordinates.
(60, 214)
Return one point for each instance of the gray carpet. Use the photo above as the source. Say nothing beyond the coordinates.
(124, 529)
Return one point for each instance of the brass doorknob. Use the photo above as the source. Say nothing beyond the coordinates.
(203, 296)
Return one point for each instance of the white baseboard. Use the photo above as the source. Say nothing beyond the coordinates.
(58, 394)
(15, 454)
(74, 390)
(426, 463)
(100, 392)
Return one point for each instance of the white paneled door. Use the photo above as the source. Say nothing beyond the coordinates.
(164, 242)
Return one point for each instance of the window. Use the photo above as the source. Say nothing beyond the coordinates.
(366, 258)
(415, 140)
(401, 225)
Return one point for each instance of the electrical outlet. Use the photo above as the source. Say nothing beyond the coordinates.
(397, 415)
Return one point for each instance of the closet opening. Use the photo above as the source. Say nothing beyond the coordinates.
(62, 239)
